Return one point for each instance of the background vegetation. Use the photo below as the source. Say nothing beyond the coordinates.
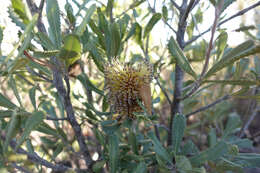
(55, 113)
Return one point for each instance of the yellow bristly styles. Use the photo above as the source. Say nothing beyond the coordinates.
(126, 84)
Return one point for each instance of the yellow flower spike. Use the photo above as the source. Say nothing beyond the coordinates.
(126, 85)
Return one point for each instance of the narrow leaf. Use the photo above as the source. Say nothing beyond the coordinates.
(213, 153)
(81, 28)
(85, 81)
(178, 127)
(248, 160)
(45, 41)
(32, 96)
(183, 164)
(233, 82)
(53, 16)
(182, 61)
(4, 102)
(12, 84)
(11, 128)
(159, 149)
(113, 153)
(245, 49)
(141, 168)
(57, 151)
(31, 123)
(45, 53)
(24, 39)
(155, 18)
(19, 9)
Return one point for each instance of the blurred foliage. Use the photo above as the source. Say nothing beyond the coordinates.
(86, 36)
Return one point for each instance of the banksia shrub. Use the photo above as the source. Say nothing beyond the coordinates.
(126, 84)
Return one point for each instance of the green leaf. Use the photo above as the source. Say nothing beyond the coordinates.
(24, 39)
(85, 81)
(257, 64)
(71, 50)
(131, 32)
(155, 18)
(44, 54)
(113, 149)
(212, 153)
(115, 40)
(141, 168)
(226, 4)
(46, 129)
(233, 123)
(221, 43)
(245, 49)
(10, 130)
(81, 28)
(227, 165)
(133, 142)
(57, 151)
(31, 123)
(98, 166)
(233, 82)
(96, 56)
(15, 19)
(109, 7)
(45, 41)
(183, 164)
(248, 160)
(19, 9)
(4, 102)
(53, 16)
(178, 127)
(182, 61)
(32, 96)
(165, 13)
(138, 34)
(189, 148)
(212, 137)
(110, 126)
(159, 149)
(12, 84)
(70, 16)
(5, 113)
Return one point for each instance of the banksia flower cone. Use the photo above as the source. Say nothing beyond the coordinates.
(126, 85)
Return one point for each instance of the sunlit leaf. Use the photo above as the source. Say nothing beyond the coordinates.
(155, 18)
(182, 61)
(53, 15)
(71, 50)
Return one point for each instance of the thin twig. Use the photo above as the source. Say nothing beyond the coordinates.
(19, 168)
(224, 21)
(38, 74)
(213, 30)
(34, 157)
(197, 83)
(208, 106)
(175, 5)
(165, 22)
(251, 118)
(34, 9)
(164, 91)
